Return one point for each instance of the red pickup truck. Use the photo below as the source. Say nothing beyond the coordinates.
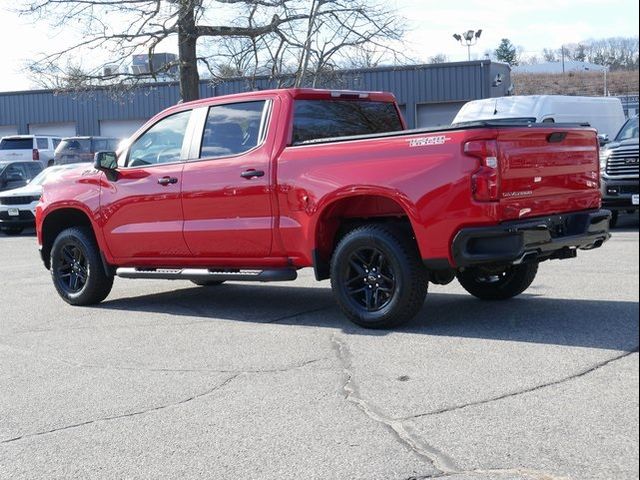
(258, 185)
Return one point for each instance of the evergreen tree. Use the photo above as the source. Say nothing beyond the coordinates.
(506, 52)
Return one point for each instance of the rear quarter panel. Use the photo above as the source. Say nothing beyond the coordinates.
(426, 174)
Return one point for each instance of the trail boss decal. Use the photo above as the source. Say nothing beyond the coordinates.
(426, 141)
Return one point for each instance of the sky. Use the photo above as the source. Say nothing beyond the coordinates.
(533, 25)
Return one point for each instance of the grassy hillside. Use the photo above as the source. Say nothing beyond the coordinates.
(575, 83)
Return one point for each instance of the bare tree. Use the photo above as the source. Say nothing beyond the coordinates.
(439, 58)
(260, 36)
(334, 34)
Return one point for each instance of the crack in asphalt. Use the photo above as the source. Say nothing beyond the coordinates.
(438, 459)
(162, 407)
(164, 370)
(125, 415)
(526, 473)
(582, 373)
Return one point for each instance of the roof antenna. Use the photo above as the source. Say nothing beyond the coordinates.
(495, 108)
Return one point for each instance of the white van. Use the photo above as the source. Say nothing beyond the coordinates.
(605, 114)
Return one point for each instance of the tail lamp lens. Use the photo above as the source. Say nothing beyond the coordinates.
(36, 154)
(485, 182)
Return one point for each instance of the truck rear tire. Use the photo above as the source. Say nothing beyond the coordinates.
(377, 277)
(494, 284)
(77, 269)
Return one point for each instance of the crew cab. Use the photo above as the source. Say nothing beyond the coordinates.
(255, 186)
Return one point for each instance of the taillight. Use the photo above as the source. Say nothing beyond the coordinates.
(36, 154)
(485, 182)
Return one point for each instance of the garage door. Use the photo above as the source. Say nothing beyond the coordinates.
(437, 114)
(119, 128)
(57, 129)
(8, 130)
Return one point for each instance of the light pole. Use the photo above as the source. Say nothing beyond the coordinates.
(468, 39)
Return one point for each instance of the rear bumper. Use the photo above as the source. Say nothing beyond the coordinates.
(544, 238)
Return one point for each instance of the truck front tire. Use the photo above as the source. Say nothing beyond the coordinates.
(77, 269)
(498, 284)
(377, 277)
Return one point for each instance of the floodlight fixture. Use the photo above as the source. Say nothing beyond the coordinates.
(468, 39)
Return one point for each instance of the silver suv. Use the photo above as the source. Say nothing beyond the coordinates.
(619, 171)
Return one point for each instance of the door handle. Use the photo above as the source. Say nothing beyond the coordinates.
(252, 172)
(164, 181)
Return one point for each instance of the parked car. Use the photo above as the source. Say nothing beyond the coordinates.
(18, 206)
(257, 185)
(605, 114)
(619, 167)
(18, 148)
(82, 149)
(17, 174)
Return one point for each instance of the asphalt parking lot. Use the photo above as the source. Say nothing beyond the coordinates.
(169, 380)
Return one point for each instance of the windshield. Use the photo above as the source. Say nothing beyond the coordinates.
(629, 130)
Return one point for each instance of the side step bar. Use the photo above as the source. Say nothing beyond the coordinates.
(239, 275)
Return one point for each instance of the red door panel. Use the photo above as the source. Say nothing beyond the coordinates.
(143, 218)
(226, 215)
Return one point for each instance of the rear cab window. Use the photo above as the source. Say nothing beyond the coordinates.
(16, 144)
(318, 119)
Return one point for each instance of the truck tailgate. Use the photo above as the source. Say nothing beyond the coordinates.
(545, 171)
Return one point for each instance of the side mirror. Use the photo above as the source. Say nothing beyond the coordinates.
(603, 139)
(105, 161)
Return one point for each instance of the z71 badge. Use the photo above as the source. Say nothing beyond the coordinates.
(426, 141)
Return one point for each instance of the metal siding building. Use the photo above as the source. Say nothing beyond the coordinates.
(430, 95)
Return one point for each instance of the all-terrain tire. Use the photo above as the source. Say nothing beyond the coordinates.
(377, 277)
(76, 268)
(487, 285)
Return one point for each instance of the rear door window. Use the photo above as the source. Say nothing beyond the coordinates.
(232, 129)
(317, 119)
(16, 144)
(43, 143)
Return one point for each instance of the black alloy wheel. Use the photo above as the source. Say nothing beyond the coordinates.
(72, 271)
(377, 276)
(77, 269)
(370, 279)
